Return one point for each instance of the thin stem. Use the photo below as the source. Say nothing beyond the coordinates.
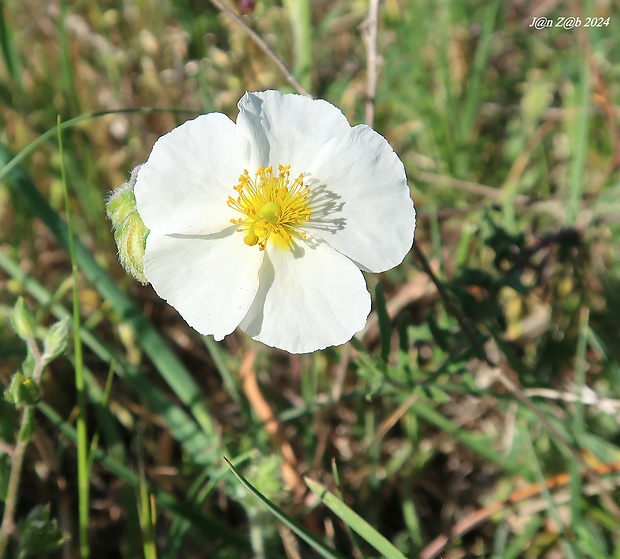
(450, 307)
(8, 520)
(371, 25)
(300, 15)
(82, 434)
(17, 462)
(256, 535)
(260, 42)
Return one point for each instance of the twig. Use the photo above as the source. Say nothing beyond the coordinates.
(504, 379)
(260, 42)
(587, 396)
(370, 34)
(467, 186)
(450, 307)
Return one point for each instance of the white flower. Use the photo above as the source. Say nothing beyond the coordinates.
(266, 224)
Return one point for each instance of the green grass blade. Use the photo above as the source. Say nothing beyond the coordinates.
(354, 521)
(289, 522)
(7, 46)
(385, 328)
(347, 528)
(579, 418)
(578, 136)
(147, 517)
(300, 15)
(82, 439)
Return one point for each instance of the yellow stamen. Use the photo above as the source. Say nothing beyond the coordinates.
(272, 207)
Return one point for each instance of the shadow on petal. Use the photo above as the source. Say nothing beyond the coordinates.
(253, 320)
(324, 207)
(227, 232)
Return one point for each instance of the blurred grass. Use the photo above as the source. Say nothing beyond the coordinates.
(510, 140)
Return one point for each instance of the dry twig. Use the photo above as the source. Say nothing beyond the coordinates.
(370, 34)
(260, 42)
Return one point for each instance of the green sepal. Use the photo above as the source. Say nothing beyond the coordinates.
(130, 233)
(56, 340)
(22, 391)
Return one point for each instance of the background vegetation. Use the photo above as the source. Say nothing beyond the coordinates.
(477, 414)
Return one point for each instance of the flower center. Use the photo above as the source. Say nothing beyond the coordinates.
(271, 205)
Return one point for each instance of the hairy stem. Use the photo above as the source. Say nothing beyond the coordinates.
(8, 518)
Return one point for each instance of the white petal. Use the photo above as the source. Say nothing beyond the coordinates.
(185, 183)
(362, 204)
(287, 129)
(211, 281)
(307, 301)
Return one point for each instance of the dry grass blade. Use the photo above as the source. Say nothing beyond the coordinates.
(290, 466)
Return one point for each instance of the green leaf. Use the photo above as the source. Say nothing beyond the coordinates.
(29, 363)
(441, 336)
(354, 521)
(289, 522)
(39, 534)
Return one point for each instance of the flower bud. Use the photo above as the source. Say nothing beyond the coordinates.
(22, 391)
(56, 340)
(22, 320)
(130, 233)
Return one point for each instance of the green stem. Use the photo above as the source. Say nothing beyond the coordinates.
(300, 14)
(256, 535)
(8, 518)
(82, 434)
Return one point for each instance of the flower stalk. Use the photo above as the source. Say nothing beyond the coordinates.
(7, 527)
